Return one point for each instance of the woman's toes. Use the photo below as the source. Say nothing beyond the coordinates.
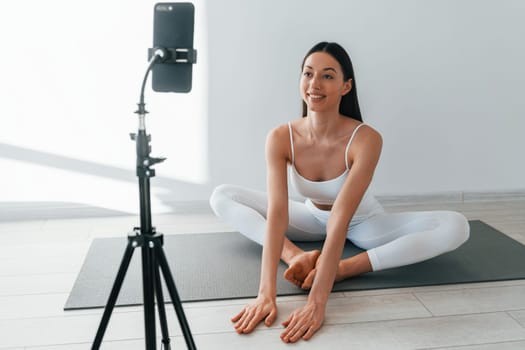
(309, 280)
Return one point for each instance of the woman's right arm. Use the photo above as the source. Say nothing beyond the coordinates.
(265, 307)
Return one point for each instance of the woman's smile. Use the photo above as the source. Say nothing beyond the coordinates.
(315, 97)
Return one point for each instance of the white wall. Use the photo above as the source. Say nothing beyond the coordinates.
(71, 73)
(442, 80)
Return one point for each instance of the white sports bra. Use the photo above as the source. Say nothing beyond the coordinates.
(320, 192)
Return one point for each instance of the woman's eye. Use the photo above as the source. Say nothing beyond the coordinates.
(307, 74)
(328, 76)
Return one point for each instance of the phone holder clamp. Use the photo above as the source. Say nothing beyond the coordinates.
(174, 56)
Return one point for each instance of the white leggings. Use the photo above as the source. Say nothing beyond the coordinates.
(390, 239)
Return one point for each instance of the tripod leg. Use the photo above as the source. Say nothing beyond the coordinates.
(148, 287)
(170, 283)
(161, 308)
(113, 296)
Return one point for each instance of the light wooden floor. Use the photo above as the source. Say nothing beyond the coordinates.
(39, 261)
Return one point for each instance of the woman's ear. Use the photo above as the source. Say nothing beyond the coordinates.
(347, 87)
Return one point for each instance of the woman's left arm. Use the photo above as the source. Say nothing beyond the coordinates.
(364, 155)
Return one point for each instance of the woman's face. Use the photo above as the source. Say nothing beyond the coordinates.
(322, 83)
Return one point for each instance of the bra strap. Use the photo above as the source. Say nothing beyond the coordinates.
(291, 141)
(348, 145)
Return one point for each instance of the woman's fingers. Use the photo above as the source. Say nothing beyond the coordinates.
(238, 316)
(246, 320)
(310, 332)
(254, 321)
(271, 317)
(239, 324)
(294, 330)
(303, 323)
(240, 320)
(299, 331)
(287, 322)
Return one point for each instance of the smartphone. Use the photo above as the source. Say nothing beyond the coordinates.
(173, 25)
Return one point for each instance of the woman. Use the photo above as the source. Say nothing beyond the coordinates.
(331, 156)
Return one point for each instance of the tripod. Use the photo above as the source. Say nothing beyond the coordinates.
(154, 260)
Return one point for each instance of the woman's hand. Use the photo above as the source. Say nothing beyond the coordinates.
(303, 322)
(262, 308)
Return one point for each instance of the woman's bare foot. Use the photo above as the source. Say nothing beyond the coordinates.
(300, 266)
(350, 267)
(309, 280)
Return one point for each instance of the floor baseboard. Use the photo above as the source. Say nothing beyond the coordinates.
(452, 197)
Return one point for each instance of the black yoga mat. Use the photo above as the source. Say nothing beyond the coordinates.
(217, 266)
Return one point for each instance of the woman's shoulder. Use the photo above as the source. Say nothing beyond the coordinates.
(277, 140)
(361, 131)
(369, 131)
(279, 131)
(284, 130)
(367, 139)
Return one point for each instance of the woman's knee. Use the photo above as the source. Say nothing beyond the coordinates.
(456, 229)
(220, 195)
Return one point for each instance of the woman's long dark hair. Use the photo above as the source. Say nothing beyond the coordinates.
(349, 105)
